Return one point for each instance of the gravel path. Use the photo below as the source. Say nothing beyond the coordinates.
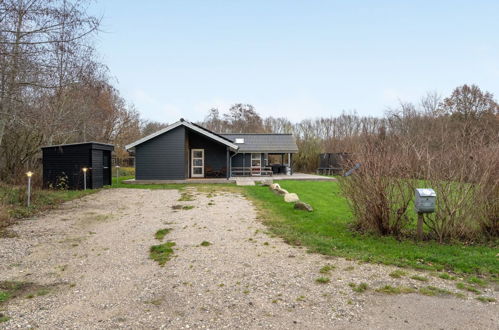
(92, 256)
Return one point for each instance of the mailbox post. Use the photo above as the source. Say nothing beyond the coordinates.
(424, 202)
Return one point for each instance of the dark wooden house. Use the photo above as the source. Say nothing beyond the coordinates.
(185, 150)
(63, 165)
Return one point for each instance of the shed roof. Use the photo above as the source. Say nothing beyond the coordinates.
(265, 142)
(110, 146)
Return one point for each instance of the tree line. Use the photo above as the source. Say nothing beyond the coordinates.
(53, 89)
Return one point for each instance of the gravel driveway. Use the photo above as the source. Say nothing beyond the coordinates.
(91, 258)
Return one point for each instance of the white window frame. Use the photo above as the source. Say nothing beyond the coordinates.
(192, 164)
(256, 170)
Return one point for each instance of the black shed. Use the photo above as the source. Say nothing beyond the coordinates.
(63, 164)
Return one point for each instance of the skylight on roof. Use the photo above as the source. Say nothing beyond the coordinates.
(239, 140)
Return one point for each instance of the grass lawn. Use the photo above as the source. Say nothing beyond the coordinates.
(326, 230)
(13, 201)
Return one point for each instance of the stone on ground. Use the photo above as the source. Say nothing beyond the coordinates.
(303, 206)
(275, 186)
(291, 198)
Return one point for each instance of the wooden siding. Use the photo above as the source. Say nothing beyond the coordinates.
(215, 153)
(67, 162)
(162, 158)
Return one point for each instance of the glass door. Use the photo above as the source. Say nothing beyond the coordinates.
(197, 163)
(256, 164)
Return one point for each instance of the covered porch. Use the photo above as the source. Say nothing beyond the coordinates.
(257, 164)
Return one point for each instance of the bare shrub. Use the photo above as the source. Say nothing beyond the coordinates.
(380, 191)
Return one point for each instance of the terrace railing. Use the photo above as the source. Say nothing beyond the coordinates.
(251, 171)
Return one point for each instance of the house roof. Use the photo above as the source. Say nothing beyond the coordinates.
(189, 125)
(269, 143)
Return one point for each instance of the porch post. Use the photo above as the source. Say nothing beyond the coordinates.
(228, 164)
(291, 163)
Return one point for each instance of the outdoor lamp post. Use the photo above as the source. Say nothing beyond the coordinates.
(84, 178)
(29, 174)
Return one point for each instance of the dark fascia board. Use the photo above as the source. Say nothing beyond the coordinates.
(109, 146)
(187, 124)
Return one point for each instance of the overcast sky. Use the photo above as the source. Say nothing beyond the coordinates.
(296, 59)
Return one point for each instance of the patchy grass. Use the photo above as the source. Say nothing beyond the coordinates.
(388, 289)
(446, 276)
(160, 234)
(161, 253)
(205, 243)
(486, 299)
(477, 281)
(322, 280)
(187, 207)
(420, 278)
(434, 291)
(13, 289)
(13, 201)
(186, 197)
(326, 269)
(4, 318)
(397, 273)
(466, 287)
(327, 231)
(362, 287)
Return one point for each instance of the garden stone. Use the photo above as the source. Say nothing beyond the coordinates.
(291, 198)
(275, 186)
(281, 191)
(303, 206)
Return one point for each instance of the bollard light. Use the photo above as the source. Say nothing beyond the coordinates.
(117, 174)
(84, 178)
(29, 174)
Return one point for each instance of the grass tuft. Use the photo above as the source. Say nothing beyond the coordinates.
(326, 269)
(486, 299)
(322, 280)
(464, 286)
(388, 289)
(362, 287)
(205, 243)
(161, 253)
(397, 273)
(434, 291)
(186, 197)
(420, 278)
(160, 234)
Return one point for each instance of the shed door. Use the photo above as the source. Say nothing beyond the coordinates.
(106, 167)
(197, 163)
